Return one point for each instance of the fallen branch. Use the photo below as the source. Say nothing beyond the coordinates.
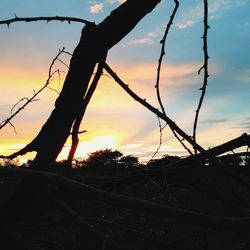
(243, 140)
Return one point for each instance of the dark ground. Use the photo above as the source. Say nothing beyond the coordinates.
(44, 215)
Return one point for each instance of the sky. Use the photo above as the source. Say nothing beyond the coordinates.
(113, 119)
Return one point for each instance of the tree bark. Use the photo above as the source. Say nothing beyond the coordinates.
(94, 43)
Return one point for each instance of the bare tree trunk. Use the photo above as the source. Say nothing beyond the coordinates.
(95, 42)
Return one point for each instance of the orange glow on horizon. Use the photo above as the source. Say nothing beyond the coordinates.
(113, 119)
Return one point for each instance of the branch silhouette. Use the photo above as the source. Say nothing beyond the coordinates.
(204, 68)
(160, 140)
(44, 18)
(33, 98)
(173, 126)
(157, 85)
(85, 102)
(163, 42)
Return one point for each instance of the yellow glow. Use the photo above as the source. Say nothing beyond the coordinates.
(113, 119)
(86, 147)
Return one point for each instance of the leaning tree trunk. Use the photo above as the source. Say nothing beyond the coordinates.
(94, 44)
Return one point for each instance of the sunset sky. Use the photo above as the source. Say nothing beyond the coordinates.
(113, 119)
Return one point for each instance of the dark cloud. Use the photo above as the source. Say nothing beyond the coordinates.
(244, 124)
(214, 121)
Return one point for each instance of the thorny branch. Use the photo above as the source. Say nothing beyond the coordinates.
(170, 123)
(33, 98)
(204, 68)
(42, 18)
(163, 42)
(157, 85)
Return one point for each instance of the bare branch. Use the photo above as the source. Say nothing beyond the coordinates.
(163, 42)
(13, 127)
(157, 86)
(33, 98)
(21, 100)
(181, 142)
(170, 123)
(62, 62)
(160, 141)
(80, 113)
(204, 68)
(47, 19)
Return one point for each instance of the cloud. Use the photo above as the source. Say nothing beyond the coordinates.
(213, 121)
(246, 76)
(148, 39)
(170, 74)
(144, 40)
(195, 13)
(185, 24)
(243, 124)
(96, 8)
(115, 1)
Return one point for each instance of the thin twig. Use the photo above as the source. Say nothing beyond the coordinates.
(204, 68)
(62, 62)
(32, 99)
(160, 141)
(43, 18)
(21, 100)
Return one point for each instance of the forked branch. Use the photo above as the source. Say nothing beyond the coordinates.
(85, 102)
(33, 98)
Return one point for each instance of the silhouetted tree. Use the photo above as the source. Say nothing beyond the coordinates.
(129, 161)
(102, 158)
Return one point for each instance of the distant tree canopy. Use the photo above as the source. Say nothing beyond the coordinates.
(163, 161)
(109, 158)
